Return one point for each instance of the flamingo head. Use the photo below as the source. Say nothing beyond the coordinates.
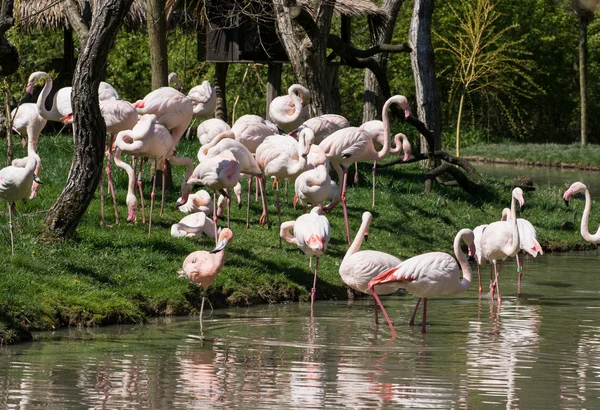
(225, 236)
(406, 147)
(33, 79)
(403, 102)
(575, 188)
(517, 193)
(505, 214)
(306, 138)
(367, 218)
(131, 207)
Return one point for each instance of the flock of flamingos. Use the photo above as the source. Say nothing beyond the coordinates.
(294, 148)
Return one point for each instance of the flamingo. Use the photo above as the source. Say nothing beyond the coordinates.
(218, 173)
(311, 235)
(478, 255)
(352, 144)
(500, 239)
(204, 99)
(576, 188)
(358, 267)
(15, 185)
(26, 119)
(283, 157)
(210, 128)
(198, 202)
(401, 143)
(314, 186)
(430, 274)
(194, 224)
(289, 111)
(323, 126)
(248, 165)
(173, 78)
(251, 130)
(527, 243)
(202, 268)
(173, 110)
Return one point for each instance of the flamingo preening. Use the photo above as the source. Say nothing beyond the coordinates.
(576, 188)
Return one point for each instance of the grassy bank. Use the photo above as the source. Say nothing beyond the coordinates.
(559, 155)
(116, 273)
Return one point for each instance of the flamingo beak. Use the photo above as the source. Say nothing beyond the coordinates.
(567, 202)
(220, 246)
(181, 273)
(37, 179)
(566, 197)
(472, 250)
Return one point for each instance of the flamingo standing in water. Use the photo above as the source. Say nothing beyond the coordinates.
(289, 111)
(576, 188)
(311, 235)
(15, 185)
(202, 268)
(478, 255)
(500, 240)
(218, 173)
(430, 274)
(194, 224)
(527, 243)
(352, 144)
(358, 267)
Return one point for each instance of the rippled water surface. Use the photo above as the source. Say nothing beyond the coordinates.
(538, 351)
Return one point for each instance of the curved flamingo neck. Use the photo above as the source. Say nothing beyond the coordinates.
(286, 232)
(41, 101)
(465, 282)
(218, 138)
(585, 233)
(299, 92)
(386, 126)
(358, 239)
(296, 167)
(515, 229)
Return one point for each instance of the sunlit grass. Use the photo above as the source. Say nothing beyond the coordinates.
(117, 273)
(547, 153)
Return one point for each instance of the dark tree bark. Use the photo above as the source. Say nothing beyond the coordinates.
(304, 37)
(373, 95)
(221, 90)
(9, 56)
(157, 35)
(89, 128)
(77, 22)
(584, 20)
(429, 109)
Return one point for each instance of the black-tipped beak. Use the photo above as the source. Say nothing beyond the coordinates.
(304, 155)
(567, 202)
(367, 237)
(523, 209)
(220, 246)
(471, 258)
(37, 179)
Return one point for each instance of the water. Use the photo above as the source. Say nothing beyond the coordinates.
(545, 175)
(538, 351)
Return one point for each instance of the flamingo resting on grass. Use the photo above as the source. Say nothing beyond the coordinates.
(194, 224)
(15, 185)
(202, 268)
(430, 274)
(500, 240)
(358, 267)
(311, 235)
(576, 188)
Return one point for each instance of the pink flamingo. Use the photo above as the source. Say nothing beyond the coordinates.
(204, 99)
(314, 186)
(173, 110)
(352, 144)
(15, 185)
(195, 225)
(173, 78)
(283, 157)
(251, 130)
(248, 165)
(289, 111)
(576, 188)
(210, 128)
(500, 239)
(429, 274)
(401, 143)
(358, 267)
(202, 268)
(27, 120)
(527, 243)
(323, 126)
(199, 202)
(218, 173)
(311, 235)
(478, 254)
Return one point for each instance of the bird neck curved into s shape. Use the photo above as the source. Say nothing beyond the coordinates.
(585, 232)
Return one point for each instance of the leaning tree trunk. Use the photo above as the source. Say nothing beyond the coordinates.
(423, 65)
(373, 94)
(157, 35)
(90, 131)
(304, 37)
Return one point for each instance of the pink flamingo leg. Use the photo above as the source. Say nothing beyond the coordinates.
(278, 203)
(520, 265)
(164, 182)
(479, 279)
(373, 172)
(496, 284)
(215, 216)
(139, 184)
(345, 169)
(152, 194)
(202, 311)
(412, 319)
(111, 185)
(375, 308)
(12, 229)
(248, 208)
(356, 173)
(264, 217)
(314, 288)
(424, 326)
(387, 318)
(228, 209)
(256, 190)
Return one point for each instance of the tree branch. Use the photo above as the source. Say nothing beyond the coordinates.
(76, 21)
(446, 168)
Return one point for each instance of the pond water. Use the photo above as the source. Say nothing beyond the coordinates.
(545, 175)
(540, 350)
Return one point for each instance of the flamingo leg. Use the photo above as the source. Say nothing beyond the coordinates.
(256, 190)
(373, 173)
(345, 170)
(102, 195)
(356, 173)
(375, 308)
(264, 217)
(139, 184)
(228, 200)
(479, 278)
(412, 319)
(215, 216)
(424, 326)
(519, 272)
(111, 185)
(314, 288)
(491, 277)
(201, 312)
(12, 229)
(496, 284)
(278, 203)
(248, 208)
(387, 318)
(152, 194)
(164, 181)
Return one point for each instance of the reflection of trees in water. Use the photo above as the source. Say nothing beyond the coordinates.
(496, 353)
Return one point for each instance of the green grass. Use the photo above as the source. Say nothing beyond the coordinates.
(117, 274)
(550, 154)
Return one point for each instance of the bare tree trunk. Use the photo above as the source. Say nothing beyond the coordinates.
(9, 56)
(583, 25)
(221, 90)
(373, 95)
(423, 65)
(90, 131)
(304, 37)
(157, 35)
